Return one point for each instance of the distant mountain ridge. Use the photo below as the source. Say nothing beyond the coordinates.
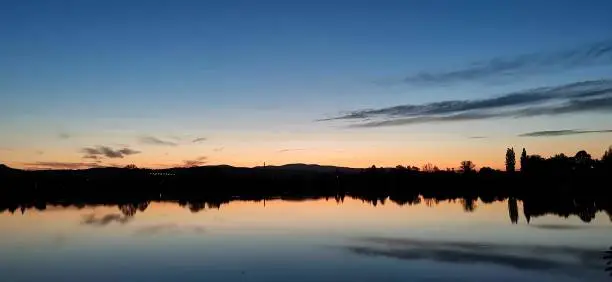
(311, 168)
(296, 167)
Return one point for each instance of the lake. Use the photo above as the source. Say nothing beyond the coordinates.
(307, 240)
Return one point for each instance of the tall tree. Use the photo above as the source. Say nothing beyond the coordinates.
(467, 166)
(523, 159)
(510, 160)
(607, 156)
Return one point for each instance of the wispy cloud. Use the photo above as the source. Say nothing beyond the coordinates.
(61, 165)
(99, 151)
(290, 150)
(218, 149)
(64, 135)
(150, 140)
(599, 53)
(92, 157)
(91, 219)
(477, 137)
(199, 161)
(585, 96)
(199, 139)
(553, 133)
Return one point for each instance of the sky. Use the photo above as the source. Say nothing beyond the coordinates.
(349, 83)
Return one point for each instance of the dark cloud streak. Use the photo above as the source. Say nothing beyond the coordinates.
(61, 165)
(150, 140)
(585, 96)
(199, 139)
(98, 151)
(553, 133)
(599, 53)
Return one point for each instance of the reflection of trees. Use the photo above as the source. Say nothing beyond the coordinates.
(196, 207)
(513, 210)
(430, 202)
(131, 208)
(128, 209)
(608, 257)
(587, 214)
(143, 206)
(469, 205)
(414, 200)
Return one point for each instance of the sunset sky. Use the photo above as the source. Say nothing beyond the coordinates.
(349, 83)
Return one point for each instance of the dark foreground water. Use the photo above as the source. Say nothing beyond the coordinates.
(317, 240)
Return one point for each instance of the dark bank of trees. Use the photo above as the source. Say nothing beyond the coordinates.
(545, 179)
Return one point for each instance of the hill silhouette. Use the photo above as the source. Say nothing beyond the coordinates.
(554, 178)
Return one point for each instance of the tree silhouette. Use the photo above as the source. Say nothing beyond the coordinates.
(428, 167)
(523, 159)
(510, 160)
(583, 160)
(486, 170)
(467, 166)
(131, 166)
(606, 159)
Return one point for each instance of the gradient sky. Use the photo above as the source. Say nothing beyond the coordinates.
(247, 82)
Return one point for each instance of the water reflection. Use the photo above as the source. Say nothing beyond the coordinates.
(608, 256)
(513, 210)
(584, 208)
(92, 219)
(524, 257)
(333, 238)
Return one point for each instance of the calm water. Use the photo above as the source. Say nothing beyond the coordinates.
(316, 240)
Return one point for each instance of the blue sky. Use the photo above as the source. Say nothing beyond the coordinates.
(253, 76)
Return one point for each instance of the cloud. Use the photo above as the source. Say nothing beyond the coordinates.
(150, 140)
(92, 157)
(169, 228)
(98, 151)
(64, 135)
(199, 161)
(524, 257)
(219, 149)
(91, 219)
(553, 133)
(290, 150)
(199, 139)
(477, 137)
(61, 165)
(599, 53)
(584, 96)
